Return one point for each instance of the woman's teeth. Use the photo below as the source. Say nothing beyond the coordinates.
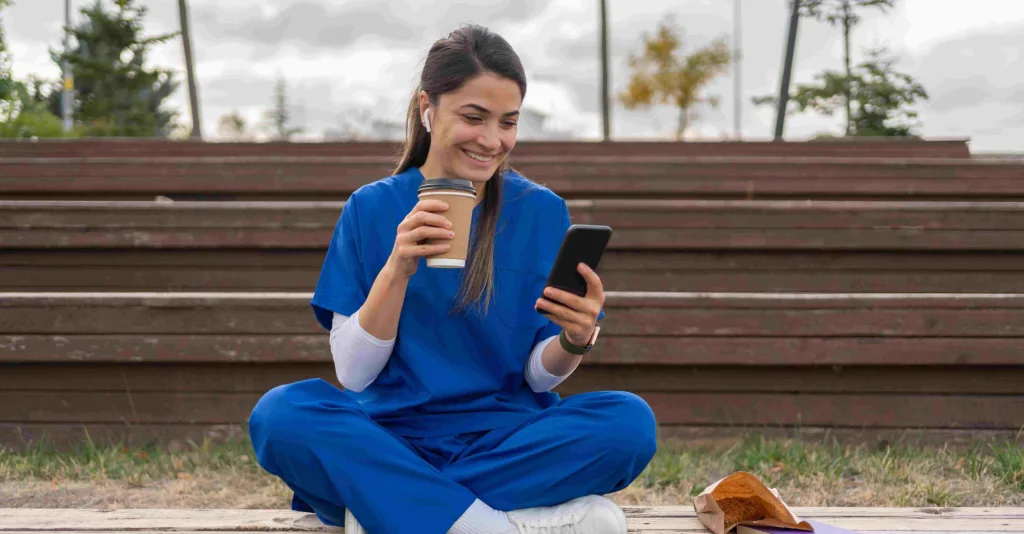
(478, 157)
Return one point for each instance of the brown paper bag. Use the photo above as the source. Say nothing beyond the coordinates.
(741, 499)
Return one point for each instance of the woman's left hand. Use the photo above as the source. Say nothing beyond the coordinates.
(576, 315)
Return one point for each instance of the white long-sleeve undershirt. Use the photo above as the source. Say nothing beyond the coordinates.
(359, 357)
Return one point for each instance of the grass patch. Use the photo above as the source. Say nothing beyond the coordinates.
(134, 465)
(806, 473)
(827, 473)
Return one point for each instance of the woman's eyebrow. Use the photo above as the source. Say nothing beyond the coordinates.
(482, 109)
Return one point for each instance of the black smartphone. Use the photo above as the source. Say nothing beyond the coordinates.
(583, 243)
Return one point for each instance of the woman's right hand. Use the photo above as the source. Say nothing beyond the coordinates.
(424, 221)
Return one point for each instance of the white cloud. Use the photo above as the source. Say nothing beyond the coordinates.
(559, 48)
(932, 21)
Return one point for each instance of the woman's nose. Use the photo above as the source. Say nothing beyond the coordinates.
(490, 139)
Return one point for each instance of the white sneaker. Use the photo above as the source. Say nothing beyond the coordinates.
(590, 514)
(351, 525)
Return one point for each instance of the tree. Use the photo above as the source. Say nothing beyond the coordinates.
(6, 76)
(279, 117)
(25, 115)
(232, 126)
(23, 112)
(841, 12)
(661, 76)
(880, 97)
(115, 93)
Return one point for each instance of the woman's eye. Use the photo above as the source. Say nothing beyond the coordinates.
(510, 124)
(472, 118)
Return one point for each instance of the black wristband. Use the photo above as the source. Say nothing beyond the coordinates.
(569, 347)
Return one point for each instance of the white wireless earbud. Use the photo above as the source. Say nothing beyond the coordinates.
(426, 121)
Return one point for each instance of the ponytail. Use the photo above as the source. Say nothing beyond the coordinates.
(477, 288)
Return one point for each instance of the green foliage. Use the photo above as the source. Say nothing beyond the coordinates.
(6, 77)
(661, 75)
(880, 97)
(24, 115)
(840, 12)
(843, 13)
(1008, 463)
(115, 93)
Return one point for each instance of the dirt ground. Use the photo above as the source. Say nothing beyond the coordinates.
(206, 492)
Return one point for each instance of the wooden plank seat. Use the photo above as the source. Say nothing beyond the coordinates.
(640, 519)
(134, 147)
(320, 178)
(162, 365)
(659, 245)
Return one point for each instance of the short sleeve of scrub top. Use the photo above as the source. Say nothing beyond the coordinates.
(342, 287)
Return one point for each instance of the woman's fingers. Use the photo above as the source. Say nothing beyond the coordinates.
(595, 289)
(568, 316)
(427, 232)
(424, 218)
(428, 250)
(569, 300)
(430, 205)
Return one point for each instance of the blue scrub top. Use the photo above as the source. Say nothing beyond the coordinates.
(450, 373)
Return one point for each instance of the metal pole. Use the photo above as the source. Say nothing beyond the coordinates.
(67, 76)
(187, 44)
(737, 60)
(605, 118)
(787, 69)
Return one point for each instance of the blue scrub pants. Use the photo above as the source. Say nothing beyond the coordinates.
(321, 443)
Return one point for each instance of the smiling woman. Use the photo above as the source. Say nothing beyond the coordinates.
(462, 122)
(447, 422)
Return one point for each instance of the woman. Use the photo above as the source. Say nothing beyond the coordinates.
(448, 422)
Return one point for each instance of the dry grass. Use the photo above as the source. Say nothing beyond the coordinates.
(805, 473)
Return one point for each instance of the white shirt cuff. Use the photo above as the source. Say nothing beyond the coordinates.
(539, 378)
(359, 357)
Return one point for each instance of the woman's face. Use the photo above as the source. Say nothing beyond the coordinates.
(474, 128)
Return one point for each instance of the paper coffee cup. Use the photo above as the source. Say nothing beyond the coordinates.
(461, 198)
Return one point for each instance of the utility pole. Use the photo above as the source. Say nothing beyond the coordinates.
(787, 69)
(187, 43)
(68, 78)
(605, 117)
(736, 65)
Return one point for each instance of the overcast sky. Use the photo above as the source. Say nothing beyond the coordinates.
(340, 55)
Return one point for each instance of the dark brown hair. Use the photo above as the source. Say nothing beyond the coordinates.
(467, 52)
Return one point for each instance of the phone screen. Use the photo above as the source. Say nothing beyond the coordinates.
(581, 244)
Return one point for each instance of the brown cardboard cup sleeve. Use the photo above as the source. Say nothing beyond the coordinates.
(741, 498)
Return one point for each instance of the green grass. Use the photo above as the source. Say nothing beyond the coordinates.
(806, 473)
(827, 473)
(134, 465)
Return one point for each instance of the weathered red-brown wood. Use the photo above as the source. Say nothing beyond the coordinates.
(844, 411)
(573, 177)
(631, 239)
(639, 314)
(225, 377)
(245, 278)
(677, 408)
(16, 436)
(639, 225)
(647, 329)
(889, 147)
(225, 269)
(250, 347)
(625, 213)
